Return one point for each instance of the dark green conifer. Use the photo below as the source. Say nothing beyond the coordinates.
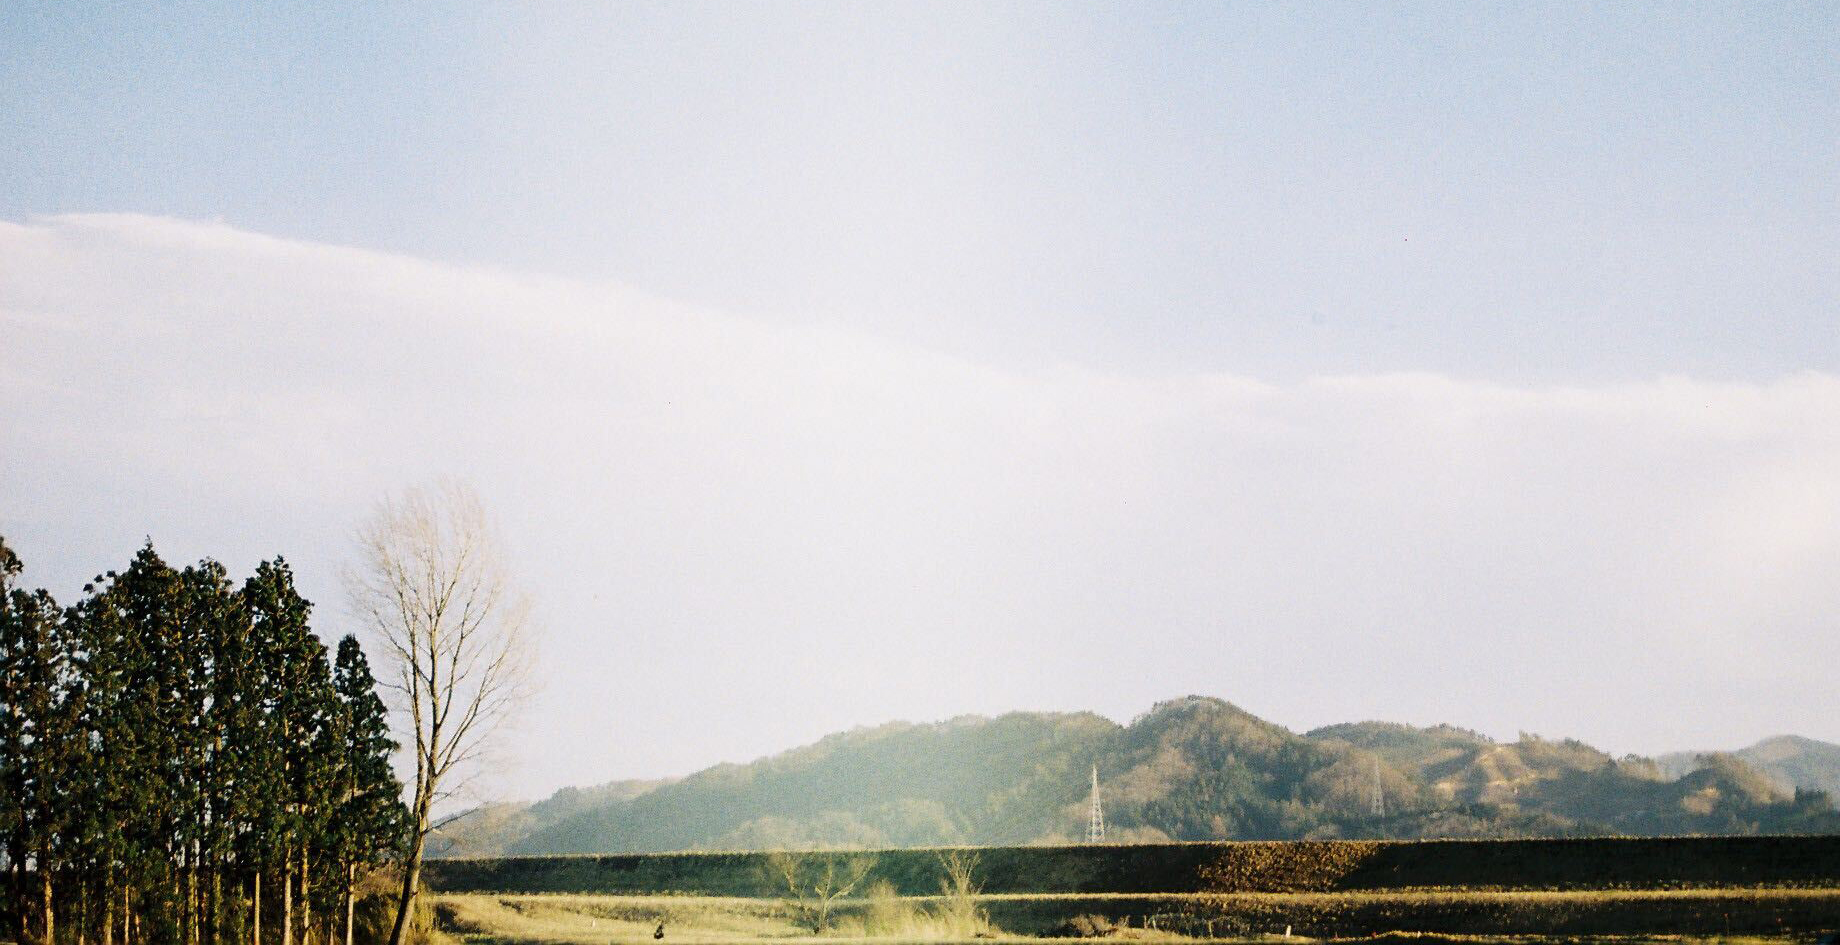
(169, 742)
(369, 820)
(39, 753)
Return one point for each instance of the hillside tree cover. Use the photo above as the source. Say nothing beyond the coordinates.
(1189, 769)
(182, 764)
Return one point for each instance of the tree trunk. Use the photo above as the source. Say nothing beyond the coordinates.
(175, 905)
(175, 882)
(412, 873)
(46, 903)
(192, 911)
(108, 908)
(16, 887)
(215, 907)
(351, 889)
(82, 914)
(287, 899)
(306, 900)
(255, 911)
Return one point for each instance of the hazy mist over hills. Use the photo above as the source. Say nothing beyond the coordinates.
(1190, 769)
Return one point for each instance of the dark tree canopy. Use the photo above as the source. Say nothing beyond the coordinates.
(182, 764)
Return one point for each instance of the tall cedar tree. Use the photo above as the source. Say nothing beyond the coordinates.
(38, 749)
(31, 665)
(168, 743)
(15, 836)
(300, 693)
(369, 820)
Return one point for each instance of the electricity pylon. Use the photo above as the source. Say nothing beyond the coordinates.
(1095, 820)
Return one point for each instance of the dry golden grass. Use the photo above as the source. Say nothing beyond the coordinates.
(603, 919)
(1700, 917)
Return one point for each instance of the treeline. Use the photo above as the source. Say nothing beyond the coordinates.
(182, 764)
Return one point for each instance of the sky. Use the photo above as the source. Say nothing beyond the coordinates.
(832, 364)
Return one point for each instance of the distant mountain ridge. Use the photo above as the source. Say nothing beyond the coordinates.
(488, 830)
(1194, 768)
(1791, 761)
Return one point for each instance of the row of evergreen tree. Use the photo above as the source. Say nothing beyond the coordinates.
(181, 763)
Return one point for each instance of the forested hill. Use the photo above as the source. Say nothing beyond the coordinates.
(1190, 769)
(1790, 760)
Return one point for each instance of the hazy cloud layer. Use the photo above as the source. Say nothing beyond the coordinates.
(744, 534)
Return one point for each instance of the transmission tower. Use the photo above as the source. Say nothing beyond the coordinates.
(1095, 820)
(1379, 794)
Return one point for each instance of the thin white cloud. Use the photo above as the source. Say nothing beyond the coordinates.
(745, 534)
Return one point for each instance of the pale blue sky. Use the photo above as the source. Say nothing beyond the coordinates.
(1528, 191)
(833, 364)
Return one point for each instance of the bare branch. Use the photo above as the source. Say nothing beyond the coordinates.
(436, 595)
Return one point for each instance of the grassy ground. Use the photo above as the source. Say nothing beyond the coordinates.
(602, 919)
(1595, 891)
(1255, 866)
(1423, 918)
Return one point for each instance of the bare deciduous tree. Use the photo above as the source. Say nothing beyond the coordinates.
(452, 625)
(814, 881)
(959, 889)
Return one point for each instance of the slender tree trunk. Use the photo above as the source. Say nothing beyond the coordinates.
(255, 911)
(306, 900)
(215, 908)
(412, 872)
(351, 889)
(412, 881)
(16, 886)
(287, 898)
(46, 902)
(193, 914)
(81, 919)
(175, 885)
(108, 907)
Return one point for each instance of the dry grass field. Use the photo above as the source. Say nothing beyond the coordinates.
(1789, 915)
(1595, 863)
(1608, 890)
